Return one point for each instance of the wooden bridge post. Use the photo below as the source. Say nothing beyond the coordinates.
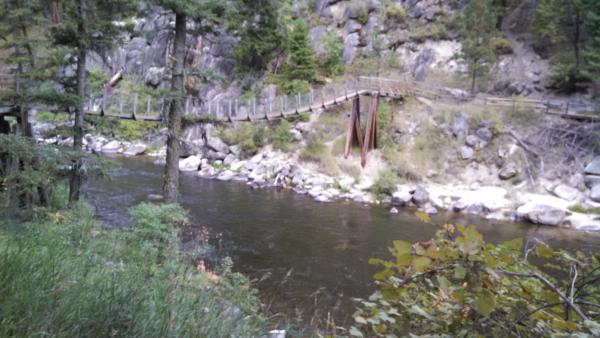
(267, 112)
(353, 133)
(187, 106)
(237, 107)
(283, 100)
(370, 141)
(312, 99)
(229, 112)
(323, 98)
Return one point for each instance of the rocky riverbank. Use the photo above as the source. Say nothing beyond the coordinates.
(210, 157)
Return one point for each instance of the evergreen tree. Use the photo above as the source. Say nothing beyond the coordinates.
(478, 29)
(88, 25)
(592, 49)
(559, 26)
(260, 34)
(204, 11)
(301, 66)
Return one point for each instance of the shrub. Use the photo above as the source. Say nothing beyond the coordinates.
(501, 46)
(386, 183)
(249, 137)
(316, 151)
(281, 137)
(457, 285)
(333, 64)
(49, 117)
(394, 12)
(584, 209)
(66, 277)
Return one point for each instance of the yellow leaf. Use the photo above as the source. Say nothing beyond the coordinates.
(420, 264)
(401, 248)
(485, 303)
(423, 216)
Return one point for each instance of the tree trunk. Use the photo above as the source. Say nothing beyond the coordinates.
(473, 77)
(76, 179)
(171, 179)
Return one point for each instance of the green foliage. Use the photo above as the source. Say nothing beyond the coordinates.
(301, 66)
(457, 285)
(360, 10)
(477, 31)
(333, 64)
(316, 151)
(385, 184)
(393, 12)
(66, 277)
(50, 117)
(260, 35)
(281, 136)
(248, 136)
(584, 209)
(566, 75)
(501, 46)
(127, 130)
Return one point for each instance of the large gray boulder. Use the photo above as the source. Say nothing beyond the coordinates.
(191, 163)
(509, 171)
(154, 76)
(420, 196)
(566, 192)
(351, 42)
(595, 193)
(217, 144)
(541, 214)
(111, 147)
(594, 167)
(135, 149)
(460, 126)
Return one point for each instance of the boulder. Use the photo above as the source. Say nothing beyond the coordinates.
(430, 209)
(401, 198)
(541, 214)
(508, 171)
(393, 210)
(595, 193)
(155, 198)
(226, 175)
(217, 144)
(229, 159)
(154, 76)
(135, 149)
(594, 167)
(475, 142)
(460, 126)
(351, 42)
(591, 180)
(111, 147)
(566, 192)
(467, 153)
(420, 196)
(191, 163)
(477, 209)
(484, 133)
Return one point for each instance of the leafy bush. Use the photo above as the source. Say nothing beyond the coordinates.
(457, 285)
(49, 117)
(249, 137)
(394, 12)
(360, 11)
(386, 183)
(66, 277)
(501, 46)
(584, 209)
(127, 130)
(316, 151)
(281, 137)
(333, 64)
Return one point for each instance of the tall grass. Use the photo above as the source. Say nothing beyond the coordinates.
(63, 276)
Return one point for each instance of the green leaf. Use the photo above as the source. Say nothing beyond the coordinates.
(460, 272)
(355, 332)
(544, 251)
(423, 216)
(514, 244)
(417, 310)
(485, 303)
(401, 248)
(420, 264)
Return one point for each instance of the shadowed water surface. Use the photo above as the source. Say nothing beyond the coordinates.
(310, 256)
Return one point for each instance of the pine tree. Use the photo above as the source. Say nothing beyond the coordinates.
(260, 33)
(206, 11)
(559, 26)
(592, 49)
(301, 65)
(88, 25)
(478, 29)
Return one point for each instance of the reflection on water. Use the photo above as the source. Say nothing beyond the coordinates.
(309, 256)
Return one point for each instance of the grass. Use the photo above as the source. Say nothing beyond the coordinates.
(249, 137)
(316, 151)
(63, 276)
(281, 136)
(126, 130)
(585, 210)
(385, 184)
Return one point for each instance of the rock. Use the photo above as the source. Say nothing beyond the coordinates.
(111, 147)
(226, 175)
(591, 180)
(566, 192)
(229, 159)
(191, 163)
(277, 334)
(541, 214)
(593, 168)
(393, 210)
(323, 198)
(459, 206)
(217, 144)
(297, 134)
(351, 42)
(154, 76)
(508, 171)
(235, 150)
(484, 133)
(595, 193)
(477, 209)
(207, 171)
(401, 197)
(467, 153)
(458, 94)
(430, 209)
(475, 142)
(155, 198)
(420, 196)
(215, 155)
(135, 149)
(460, 126)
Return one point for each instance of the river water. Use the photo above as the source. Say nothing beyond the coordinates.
(304, 257)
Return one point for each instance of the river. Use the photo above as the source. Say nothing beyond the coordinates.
(305, 257)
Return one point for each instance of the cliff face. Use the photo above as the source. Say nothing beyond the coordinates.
(420, 35)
